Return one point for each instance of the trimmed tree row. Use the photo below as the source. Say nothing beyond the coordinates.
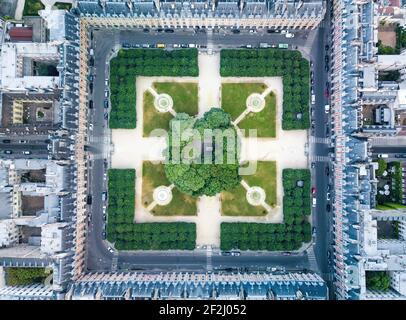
(143, 62)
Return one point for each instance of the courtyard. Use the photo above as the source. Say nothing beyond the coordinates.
(253, 103)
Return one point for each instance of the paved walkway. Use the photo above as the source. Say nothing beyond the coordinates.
(209, 82)
(19, 10)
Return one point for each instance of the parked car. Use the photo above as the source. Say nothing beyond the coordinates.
(383, 155)
(169, 30)
(89, 199)
(106, 82)
(289, 35)
(314, 201)
(90, 104)
(145, 30)
(8, 151)
(159, 29)
(235, 31)
(313, 165)
(327, 171)
(328, 196)
(106, 116)
(106, 93)
(313, 190)
(126, 45)
(327, 108)
(328, 207)
(26, 152)
(176, 45)
(6, 141)
(106, 103)
(110, 249)
(226, 253)
(104, 235)
(235, 253)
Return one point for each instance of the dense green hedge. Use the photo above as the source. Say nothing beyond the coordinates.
(276, 237)
(270, 63)
(397, 182)
(128, 235)
(31, 7)
(24, 276)
(377, 280)
(143, 62)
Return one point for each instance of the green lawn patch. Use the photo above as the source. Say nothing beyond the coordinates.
(233, 100)
(153, 176)
(184, 95)
(152, 118)
(264, 121)
(127, 235)
(390, 206)
(234, 96)
(234, 202)
(25, 276)
(185, 99)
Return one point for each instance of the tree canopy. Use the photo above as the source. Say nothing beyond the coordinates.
(202, 157)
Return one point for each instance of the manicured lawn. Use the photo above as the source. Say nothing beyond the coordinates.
(264, 121)
(390, 206)
(234, 96)
(233, 100)
(153, 175)
(234, 203)
(185, 99)
(152, 118)
(184, 95)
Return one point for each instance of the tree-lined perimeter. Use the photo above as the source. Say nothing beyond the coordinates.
(289, 235)
(234, 202)
(143, 62)
(287, 64)
(153, 176)
(127, 235)
(233, 101)
(185, 99)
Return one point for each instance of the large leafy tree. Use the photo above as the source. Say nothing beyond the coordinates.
(200, 161)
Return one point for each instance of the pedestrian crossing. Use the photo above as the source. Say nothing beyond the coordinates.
(209, 254)
(319, 140)
(312, 260)
(319, 159)
(114, 263)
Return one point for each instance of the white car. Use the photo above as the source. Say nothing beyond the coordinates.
(284, 31)
(327, 108)
(289, 35)
(176, 45)
(314, 202)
